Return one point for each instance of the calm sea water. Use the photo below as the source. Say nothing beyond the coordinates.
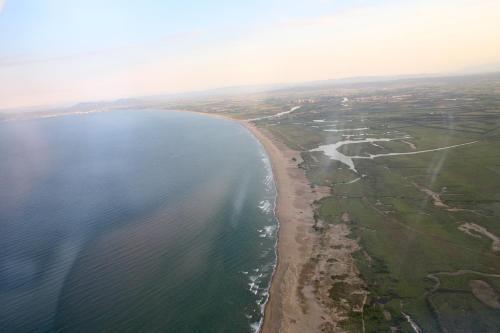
(133, 221)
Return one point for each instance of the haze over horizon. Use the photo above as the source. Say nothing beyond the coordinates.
(56, 52)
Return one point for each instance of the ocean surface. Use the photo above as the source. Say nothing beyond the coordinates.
(134, 221)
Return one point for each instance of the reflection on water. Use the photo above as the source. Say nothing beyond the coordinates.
(132, 220)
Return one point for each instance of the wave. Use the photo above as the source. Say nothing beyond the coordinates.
(259, 279)
(268, 231)
(259, 284)
(268, 179)
(265, 206)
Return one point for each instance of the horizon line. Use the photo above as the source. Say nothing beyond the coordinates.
(265, 87)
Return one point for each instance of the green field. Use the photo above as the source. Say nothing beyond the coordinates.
(411, 214)
(405, 237)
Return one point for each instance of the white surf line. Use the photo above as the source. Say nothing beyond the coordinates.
(277, 115)
(372, 156)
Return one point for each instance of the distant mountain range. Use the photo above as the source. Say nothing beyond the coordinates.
(477, 71)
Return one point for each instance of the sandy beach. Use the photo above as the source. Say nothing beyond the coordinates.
(300, 294)
(291, 306)
(299, 298)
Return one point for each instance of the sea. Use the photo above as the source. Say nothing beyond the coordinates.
(134, 221)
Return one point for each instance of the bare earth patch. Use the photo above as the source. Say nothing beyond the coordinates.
(485, 293)
(436, 197)
(438, 202)
(331, 275)
(473, 229)
(412, 146)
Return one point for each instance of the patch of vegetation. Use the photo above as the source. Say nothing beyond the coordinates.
(403, 234)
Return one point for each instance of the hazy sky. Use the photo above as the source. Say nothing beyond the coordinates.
(58, 51)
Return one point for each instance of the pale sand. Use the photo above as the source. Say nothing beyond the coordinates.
(292, 305)
(288, 310)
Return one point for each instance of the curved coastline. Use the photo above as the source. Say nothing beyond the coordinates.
(272, 289)
(268, 261)
(272, 306)
(289, 307)
(270, 153)
(286, 309)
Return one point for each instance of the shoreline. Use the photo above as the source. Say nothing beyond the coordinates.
(291, 305)
(273, 289)
(285, 308)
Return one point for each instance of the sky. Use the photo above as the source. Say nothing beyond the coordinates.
(66, 51)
